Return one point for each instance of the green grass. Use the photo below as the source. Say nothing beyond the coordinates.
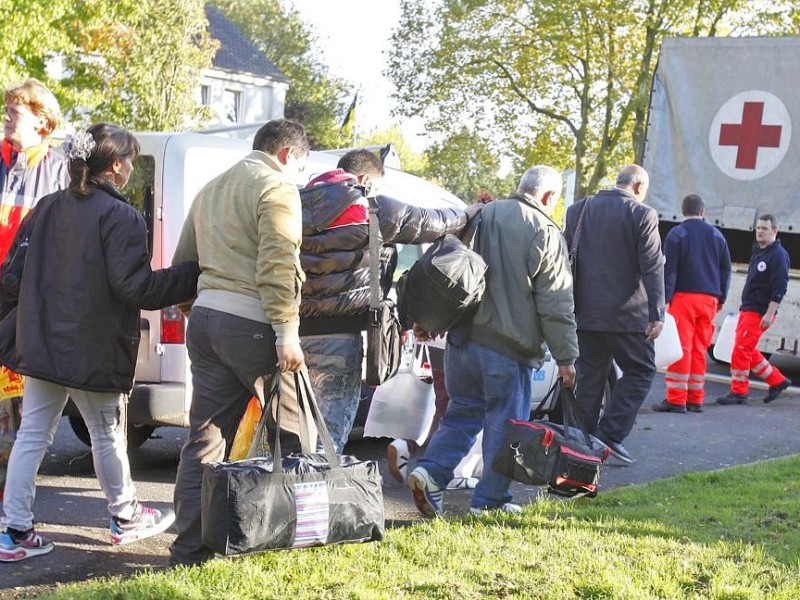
(725, 534)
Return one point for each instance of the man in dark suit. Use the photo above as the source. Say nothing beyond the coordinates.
(619, 303)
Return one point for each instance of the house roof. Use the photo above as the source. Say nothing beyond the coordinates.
(236, 53)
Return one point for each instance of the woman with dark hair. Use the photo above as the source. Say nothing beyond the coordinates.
(74, 331)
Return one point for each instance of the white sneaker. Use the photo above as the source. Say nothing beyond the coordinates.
(462, 483)
(513, 509)
(398, 455)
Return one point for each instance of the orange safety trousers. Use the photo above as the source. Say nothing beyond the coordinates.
(694, 317)
(746, 357)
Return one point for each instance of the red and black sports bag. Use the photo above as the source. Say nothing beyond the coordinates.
(565, 457)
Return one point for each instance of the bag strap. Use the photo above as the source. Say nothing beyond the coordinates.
(471, 228)
(374, 260)
(573, 250)
(538, 413)
(569, 405)
(305, 398)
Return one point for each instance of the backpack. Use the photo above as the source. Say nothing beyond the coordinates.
(445, 285)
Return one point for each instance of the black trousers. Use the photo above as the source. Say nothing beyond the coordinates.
(635, 355)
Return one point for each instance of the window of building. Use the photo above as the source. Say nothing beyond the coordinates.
(205, 95)
(231, 106)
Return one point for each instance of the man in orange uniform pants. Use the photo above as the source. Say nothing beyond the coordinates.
(697, 274)
(765, 287)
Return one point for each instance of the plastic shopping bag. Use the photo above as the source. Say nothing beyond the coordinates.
(246, 430)
(11, 388)
(403, 406)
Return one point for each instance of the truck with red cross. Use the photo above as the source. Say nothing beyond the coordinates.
(723, 123)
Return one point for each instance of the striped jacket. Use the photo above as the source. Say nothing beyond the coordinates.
(24, 178)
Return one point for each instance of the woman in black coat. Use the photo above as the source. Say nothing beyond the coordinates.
(75, 331)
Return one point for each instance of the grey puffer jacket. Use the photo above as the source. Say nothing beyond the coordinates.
(335, 251)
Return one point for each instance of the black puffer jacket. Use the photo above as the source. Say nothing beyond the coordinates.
(335, 296)
(87, 273)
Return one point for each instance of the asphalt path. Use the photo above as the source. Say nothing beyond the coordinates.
(72, 511)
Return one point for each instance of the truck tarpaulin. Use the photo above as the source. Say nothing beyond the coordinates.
(720, 125)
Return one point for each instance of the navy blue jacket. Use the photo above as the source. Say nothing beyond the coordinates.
(697, 260)
(620, 267)
(767, 278)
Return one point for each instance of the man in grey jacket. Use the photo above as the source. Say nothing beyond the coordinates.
(489, 360)
(619, 302)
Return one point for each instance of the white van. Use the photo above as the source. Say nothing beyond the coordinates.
(170, 170)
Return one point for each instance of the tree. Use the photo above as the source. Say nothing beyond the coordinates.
(33, 32)
(315, 98)
(537, 73)
(465, 164)
(411, 161)
(140, 65)
(133, 62)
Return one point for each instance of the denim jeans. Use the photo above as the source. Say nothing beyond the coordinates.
(485, 389)
(334, 366)
(42, 405)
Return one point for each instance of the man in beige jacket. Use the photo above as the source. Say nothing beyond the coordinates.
(245, 229)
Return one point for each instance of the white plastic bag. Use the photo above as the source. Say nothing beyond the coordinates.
(668, 344)
(403, 406)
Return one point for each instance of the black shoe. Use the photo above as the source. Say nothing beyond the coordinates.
(695, 408)
(665, 406)
(776, 390)
(617, 450)
(731, 398)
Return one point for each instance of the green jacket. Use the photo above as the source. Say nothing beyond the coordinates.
(528, 298)
(245, 229)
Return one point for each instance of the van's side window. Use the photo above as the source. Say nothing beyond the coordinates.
(140, 191)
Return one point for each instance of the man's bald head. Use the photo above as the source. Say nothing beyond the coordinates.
(635, 180)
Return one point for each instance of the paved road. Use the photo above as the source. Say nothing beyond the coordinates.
(71, 509)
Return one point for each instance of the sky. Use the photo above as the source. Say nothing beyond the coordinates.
(353, 40)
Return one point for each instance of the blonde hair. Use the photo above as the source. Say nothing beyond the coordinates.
(33, 94)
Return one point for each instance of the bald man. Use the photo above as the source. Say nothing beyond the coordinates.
(619, 303)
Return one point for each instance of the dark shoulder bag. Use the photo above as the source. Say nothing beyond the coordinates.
(383, 325)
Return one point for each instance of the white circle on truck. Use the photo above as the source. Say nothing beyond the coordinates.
(750, 135)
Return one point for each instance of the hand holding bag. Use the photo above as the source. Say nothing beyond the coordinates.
(565, 457)
(300, 500)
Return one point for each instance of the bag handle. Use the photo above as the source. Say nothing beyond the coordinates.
(569, 403)
(305, 396)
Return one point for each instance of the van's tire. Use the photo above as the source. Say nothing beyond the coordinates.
(137, 434)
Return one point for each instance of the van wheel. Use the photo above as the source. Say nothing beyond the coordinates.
(137, 434)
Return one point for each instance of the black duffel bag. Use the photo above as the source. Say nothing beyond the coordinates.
(565, 457)
(256, 504)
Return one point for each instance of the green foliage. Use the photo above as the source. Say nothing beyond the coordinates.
(315, 98)
(466, 165)
(411, 161)
(153, 52)
(132, 62)
(32, 30)
(723, 534)
(551, 75)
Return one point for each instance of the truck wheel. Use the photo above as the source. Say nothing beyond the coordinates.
(137, 434)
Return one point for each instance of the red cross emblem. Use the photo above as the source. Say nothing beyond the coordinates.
(750, 135)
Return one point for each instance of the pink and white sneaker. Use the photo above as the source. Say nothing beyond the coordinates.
(145, 523)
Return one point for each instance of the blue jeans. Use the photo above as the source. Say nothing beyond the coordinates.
(485, 389)
(334, 367)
